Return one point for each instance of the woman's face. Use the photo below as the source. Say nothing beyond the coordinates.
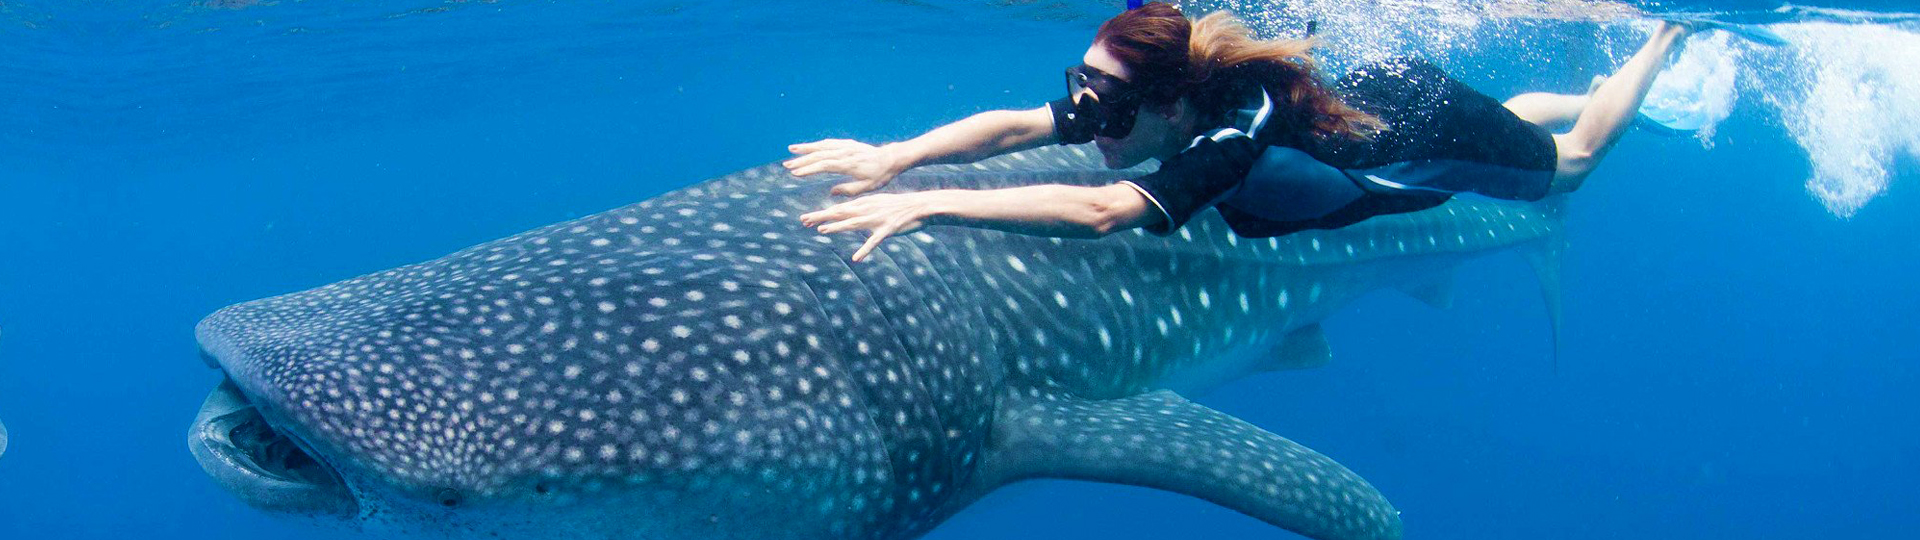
(1155, 133)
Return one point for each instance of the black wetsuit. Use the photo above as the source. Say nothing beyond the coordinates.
(1270, 179)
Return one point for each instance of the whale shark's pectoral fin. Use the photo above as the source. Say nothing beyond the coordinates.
(1160, 440)
(1303, 348)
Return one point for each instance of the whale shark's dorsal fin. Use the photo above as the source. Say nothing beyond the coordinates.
(1436, 291)
(1546, 264)
(1544, 256)
(1160, 440)
(1303, 348)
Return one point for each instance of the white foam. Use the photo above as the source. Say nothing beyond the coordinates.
(1850, 96)
(1385, 29)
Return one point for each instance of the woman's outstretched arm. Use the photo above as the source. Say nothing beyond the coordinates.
(973, 138)
(1043, 210)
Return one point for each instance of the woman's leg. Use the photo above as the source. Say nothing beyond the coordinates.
(1610, 109)
(1555, 112)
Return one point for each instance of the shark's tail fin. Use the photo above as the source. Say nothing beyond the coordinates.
(1544, 256)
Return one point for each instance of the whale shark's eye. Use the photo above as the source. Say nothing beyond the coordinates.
(448, 497)
(542, 488)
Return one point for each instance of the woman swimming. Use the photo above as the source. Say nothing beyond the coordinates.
(1245, 126)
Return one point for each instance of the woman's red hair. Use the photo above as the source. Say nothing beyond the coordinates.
(1172, 57)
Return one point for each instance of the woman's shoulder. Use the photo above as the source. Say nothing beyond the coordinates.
(1260, 112)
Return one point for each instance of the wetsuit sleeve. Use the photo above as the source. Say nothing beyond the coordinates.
(1195, 179)
(1066, 125)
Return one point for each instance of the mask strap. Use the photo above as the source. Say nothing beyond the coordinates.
(1135, 4)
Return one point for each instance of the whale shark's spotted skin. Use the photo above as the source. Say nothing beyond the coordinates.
(700, 366)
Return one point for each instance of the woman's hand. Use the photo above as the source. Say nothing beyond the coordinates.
(870, 167)
(886, 214)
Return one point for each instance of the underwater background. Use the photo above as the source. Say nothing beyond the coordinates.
(1740, 305)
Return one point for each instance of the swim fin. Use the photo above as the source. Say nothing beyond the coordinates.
(1695, 92)
(1758, 35)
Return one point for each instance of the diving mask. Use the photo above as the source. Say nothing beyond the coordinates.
(1103, 104)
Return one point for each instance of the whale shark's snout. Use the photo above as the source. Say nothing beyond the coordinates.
(242, 451)
(300, 417)
(247, 453)
(490, 394)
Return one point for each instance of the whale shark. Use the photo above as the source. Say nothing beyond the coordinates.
(698, 365)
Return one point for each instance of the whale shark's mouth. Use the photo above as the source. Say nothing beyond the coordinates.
(266, 468)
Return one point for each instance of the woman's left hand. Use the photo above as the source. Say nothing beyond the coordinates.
(886, 214)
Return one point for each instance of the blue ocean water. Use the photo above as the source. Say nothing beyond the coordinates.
(1732, 363)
